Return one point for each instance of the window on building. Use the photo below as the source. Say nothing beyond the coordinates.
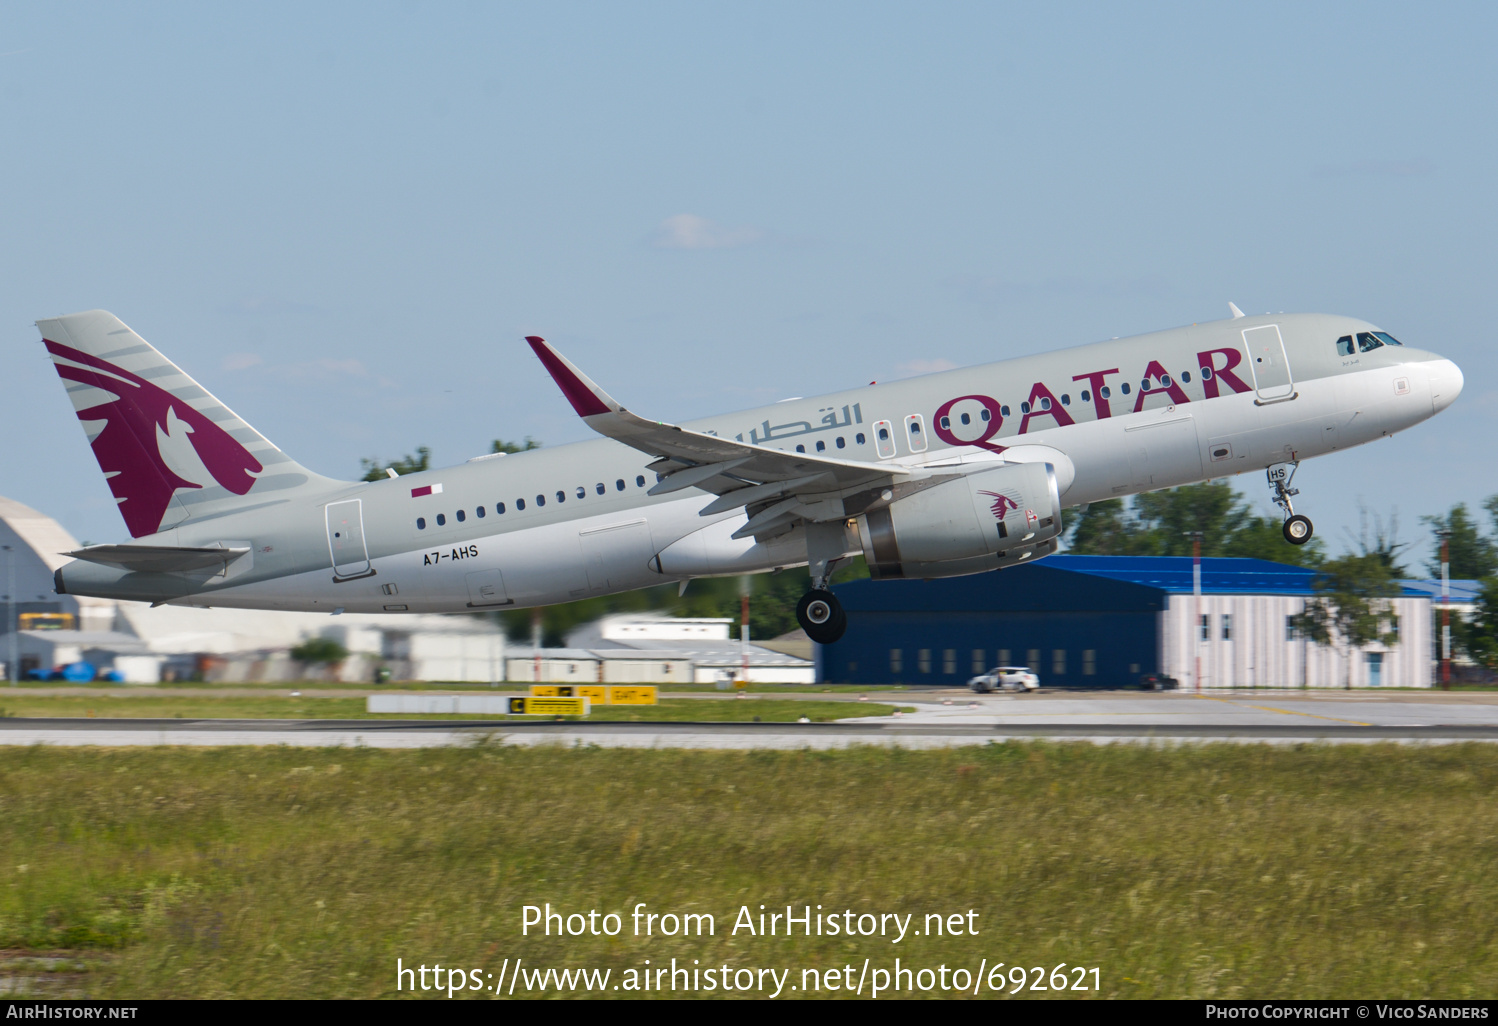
(978, 665)
(1058, 661)
(1227, 626)
(1034, 661)
(1004, 655)
(1394, 626)
(1205, 628)
(1089, 662)
(949, 660)
(896, 660)
(1290, 632)
(923, 660)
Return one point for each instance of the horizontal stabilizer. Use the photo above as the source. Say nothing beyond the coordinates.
(158, 559)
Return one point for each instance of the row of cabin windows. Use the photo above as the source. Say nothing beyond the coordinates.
(561, 496)
(839, 441)
(980, 662)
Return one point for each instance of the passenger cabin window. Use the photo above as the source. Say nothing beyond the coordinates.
(561, 496)
(540, 500)
(462, 516)
(520, 504)
(421, 523)
(441, 519)
(599, 488)
(1344, 345)
(499, 508)
(640, 481)
(582, 493)
(915, 433)
(1367, 342)
(619, 484)
(480, 512)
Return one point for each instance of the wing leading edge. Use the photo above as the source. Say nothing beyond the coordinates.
(776, 487)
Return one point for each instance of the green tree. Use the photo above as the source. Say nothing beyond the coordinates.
(1106, 529)
(374, 470)
(1479, 635)
(1382, 542)
(319, 650)
(1352, 608)
(500, 445)
(1472, 554)
(1160, 524)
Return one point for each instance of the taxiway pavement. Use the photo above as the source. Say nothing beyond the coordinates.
(941, 719)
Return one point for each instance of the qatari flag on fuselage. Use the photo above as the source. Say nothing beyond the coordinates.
(435, 489)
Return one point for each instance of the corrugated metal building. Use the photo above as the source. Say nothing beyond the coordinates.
(1105, 621)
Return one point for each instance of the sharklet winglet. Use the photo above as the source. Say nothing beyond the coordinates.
(586, 398)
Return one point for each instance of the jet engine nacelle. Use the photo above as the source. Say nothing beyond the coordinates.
(981, 521)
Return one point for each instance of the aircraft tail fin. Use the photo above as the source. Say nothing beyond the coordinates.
(170, 450)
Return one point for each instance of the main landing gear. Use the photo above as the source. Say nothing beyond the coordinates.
(819, 612)
(821, 616)
(1298, 528)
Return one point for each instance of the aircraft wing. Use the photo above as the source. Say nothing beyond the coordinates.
(791, 484)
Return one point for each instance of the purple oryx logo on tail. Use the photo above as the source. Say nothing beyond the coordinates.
(129, 447)
(1002, 504)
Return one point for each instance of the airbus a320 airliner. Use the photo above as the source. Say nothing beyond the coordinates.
(954, 473)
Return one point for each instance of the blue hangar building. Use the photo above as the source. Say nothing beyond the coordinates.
(1106, 621)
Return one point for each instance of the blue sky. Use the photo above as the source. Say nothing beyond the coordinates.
(341, 219)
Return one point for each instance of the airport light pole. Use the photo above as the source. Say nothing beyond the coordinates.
(1445, 610)
(536, 640)
(1196, 597)
(10, 614)
(744, 585)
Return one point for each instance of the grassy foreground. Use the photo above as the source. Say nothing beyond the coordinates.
(284, 707)
(1219, 870)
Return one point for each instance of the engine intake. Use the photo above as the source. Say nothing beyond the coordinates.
(982, 521)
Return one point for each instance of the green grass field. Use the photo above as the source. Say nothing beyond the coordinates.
(1218, 870)
(284, 707)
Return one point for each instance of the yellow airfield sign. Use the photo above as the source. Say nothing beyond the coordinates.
(602, 694)
(548, 705)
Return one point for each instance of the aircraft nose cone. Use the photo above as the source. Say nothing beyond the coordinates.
(1445, 384)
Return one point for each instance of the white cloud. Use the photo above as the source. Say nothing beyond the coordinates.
(914, 367)
(688, 231)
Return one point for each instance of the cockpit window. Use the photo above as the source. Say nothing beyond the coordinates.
(1344, 345)
(1367, 342)
(1389, 340)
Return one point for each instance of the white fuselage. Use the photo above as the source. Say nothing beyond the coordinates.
(574, 521)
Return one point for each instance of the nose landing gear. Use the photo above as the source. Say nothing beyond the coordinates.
(1298, 527)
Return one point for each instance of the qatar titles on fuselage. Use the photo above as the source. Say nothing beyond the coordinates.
(221, 517)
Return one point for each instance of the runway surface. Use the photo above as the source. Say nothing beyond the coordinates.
(942, 719)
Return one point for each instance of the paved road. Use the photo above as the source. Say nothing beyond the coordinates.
(941, 721)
